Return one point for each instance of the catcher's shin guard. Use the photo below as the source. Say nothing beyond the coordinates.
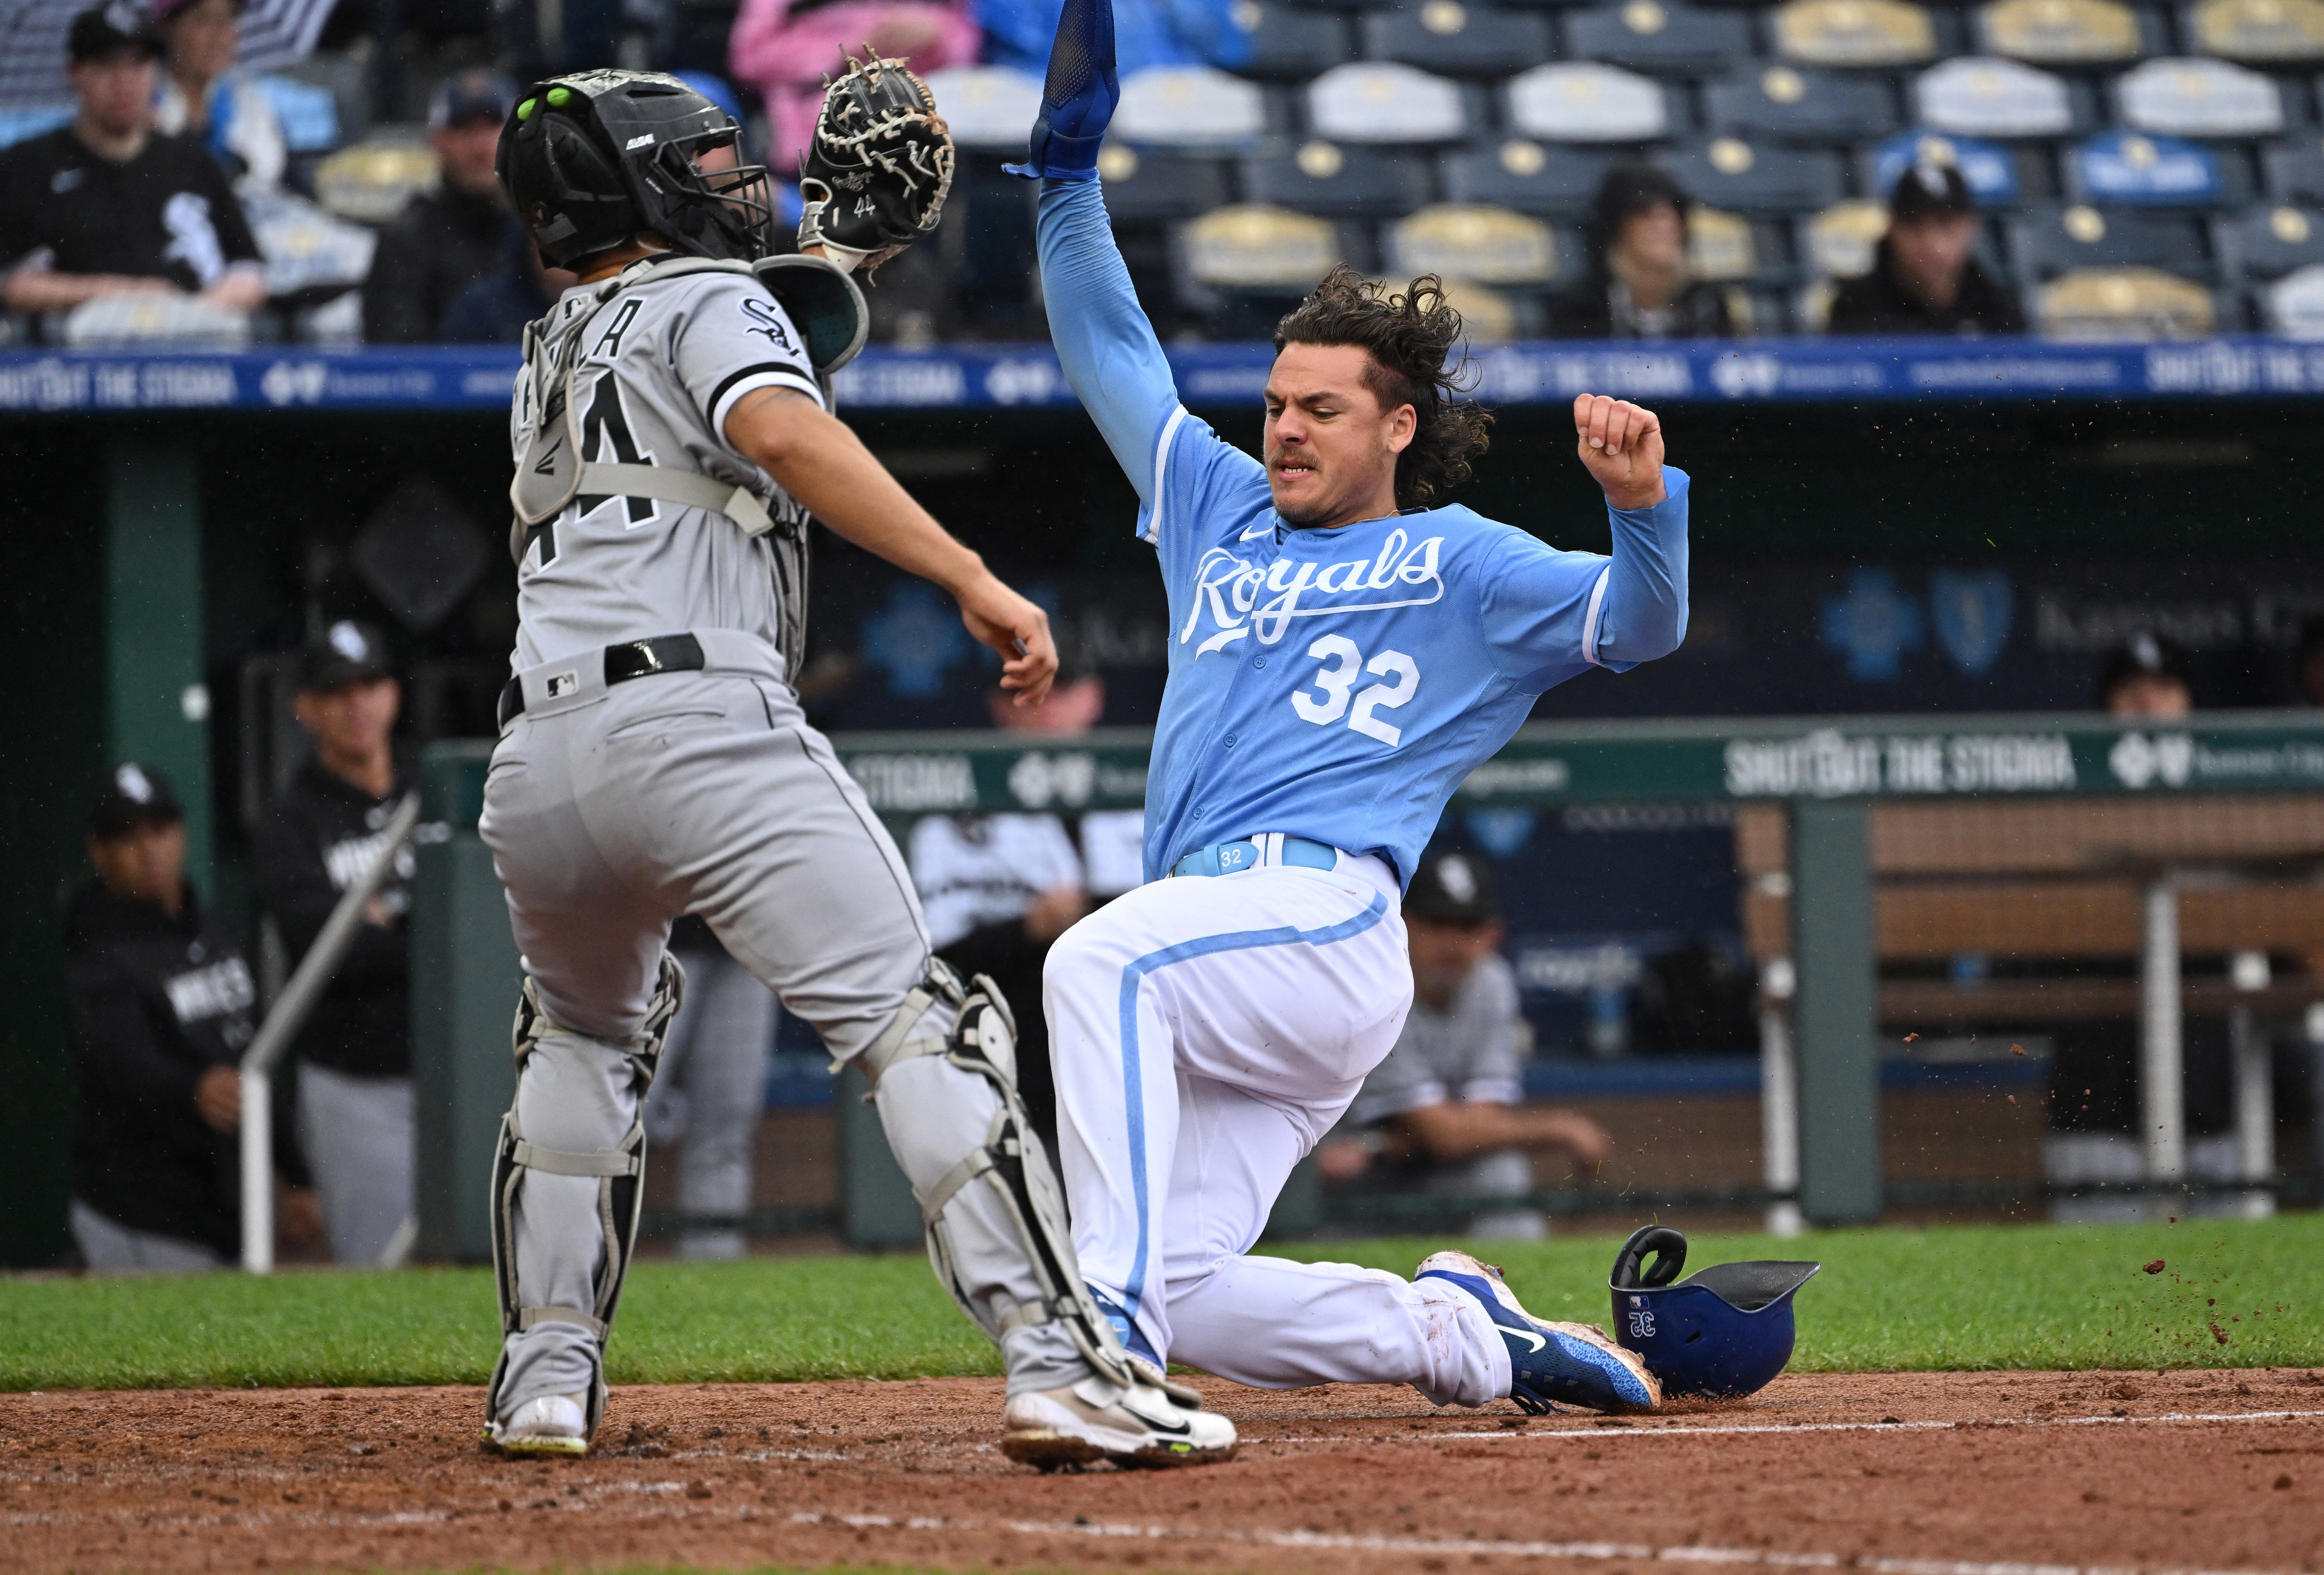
(620, 1185)
(985, 1184)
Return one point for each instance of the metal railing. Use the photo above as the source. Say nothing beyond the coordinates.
(288, 1015)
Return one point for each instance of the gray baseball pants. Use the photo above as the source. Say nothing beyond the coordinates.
(610, 812)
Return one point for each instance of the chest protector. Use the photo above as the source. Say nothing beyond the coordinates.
(823, 303)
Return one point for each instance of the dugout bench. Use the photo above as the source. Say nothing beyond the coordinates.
(1863, 837)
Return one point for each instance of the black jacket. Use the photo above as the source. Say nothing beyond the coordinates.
(151, 1003)
(1876, 304)
(438, 246)
(320, 833)
(1587, 312)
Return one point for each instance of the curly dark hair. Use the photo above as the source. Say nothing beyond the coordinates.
(1411, 337)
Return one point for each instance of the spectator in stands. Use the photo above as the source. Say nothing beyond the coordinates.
(1147, 34)
(446, 240)
(320, 835)
(2308, 678)
(206, 100)
(785, 48)
(1924, 278)
(158, 1004)
(105, 205)
(496, 308)
(1444, 1113)
(999, 889)
(1638, 285)
(2146, 676)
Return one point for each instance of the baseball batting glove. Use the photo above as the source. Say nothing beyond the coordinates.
(875, 174)
(1078, 97)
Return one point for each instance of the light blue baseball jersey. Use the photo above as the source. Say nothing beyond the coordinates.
(1339, 684)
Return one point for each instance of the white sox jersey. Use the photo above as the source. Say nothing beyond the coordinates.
(661, 366)
(1332, 683)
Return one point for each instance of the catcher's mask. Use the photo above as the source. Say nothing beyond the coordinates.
(1721, 1332)
(593, 158)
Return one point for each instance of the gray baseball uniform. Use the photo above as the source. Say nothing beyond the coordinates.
(613, 809)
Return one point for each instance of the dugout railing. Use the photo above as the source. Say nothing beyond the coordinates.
(1816, 913)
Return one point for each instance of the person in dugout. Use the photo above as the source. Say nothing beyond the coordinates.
(159, 1006)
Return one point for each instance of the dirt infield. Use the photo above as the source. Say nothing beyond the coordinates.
(1906, 1474)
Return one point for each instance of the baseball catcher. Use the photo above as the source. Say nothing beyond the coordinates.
(673, 438)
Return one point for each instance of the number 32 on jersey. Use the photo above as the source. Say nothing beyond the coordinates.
(1342, 664)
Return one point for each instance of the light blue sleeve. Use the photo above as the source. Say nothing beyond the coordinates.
(1550, 613)
(1110, 353)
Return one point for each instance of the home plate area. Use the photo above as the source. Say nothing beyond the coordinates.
(2010, 1473)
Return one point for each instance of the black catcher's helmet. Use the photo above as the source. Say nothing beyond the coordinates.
(592, 157)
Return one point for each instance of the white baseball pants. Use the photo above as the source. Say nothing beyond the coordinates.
(1206, 1032)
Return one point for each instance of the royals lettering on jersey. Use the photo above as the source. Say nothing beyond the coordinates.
(656, 370)
(1340, 684)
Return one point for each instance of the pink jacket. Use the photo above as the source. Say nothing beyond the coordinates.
(787, 59)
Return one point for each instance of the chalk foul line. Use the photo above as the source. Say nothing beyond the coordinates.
(1567, 1434)
(1327, 1542)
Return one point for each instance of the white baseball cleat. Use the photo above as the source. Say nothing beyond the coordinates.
(553, 1424)
(1144, 1425)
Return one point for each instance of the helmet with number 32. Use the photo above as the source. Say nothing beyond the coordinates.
(1721, 1334)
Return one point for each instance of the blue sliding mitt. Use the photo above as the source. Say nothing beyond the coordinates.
(1077, 99)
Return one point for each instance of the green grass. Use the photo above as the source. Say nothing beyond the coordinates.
(2039, 1296)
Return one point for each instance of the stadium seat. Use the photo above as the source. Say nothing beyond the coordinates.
(2191, 96)
(1840, 242)
(1790, 105)
(1256, 246)
(2134, 170)
(1988, 167)
(2295, 170)
(1344, 183)
(1379, 102)
(2293, 306)
(1580, 101)
(1290, 44)
(1548, 182)
(1722, 248)
(2268, 243)
(1983, 96)
(1757, 179)
(1461, 40)
(2061, 32)
(1855, 32)
(1660, 36)
(2060, 241)
(1477, 242)
(990, 107)
(2274, 32)
(1488, 316)
(1189, 107)
(2097, 305)
(371, 181)
(1141, 184)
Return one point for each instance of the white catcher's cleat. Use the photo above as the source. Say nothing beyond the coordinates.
(553, 1424)
(1145, 1425)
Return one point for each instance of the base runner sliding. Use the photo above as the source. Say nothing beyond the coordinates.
(1345, 646)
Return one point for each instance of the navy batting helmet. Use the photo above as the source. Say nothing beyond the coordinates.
(1721, 1332)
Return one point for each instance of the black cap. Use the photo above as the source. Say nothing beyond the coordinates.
(2142, 656)
(1928, 188)
(1452, 888)
(469, 96)
(344, 652)
(134, 796)
(104, 30)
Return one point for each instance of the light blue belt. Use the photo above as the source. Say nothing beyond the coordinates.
(1233, 858)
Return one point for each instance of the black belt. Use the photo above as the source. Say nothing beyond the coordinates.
(637, 658)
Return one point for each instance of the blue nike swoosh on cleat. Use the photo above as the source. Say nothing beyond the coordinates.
(1570, 1370)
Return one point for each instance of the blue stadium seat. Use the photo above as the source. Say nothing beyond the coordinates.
(1338, 181)
(2268, 242)
(1545, 181)
(1790, 105)
(2043, 246)
(1458, 38)
(1757, 179)
(1291, 44)
(2295, 170)
(1660, 36)
(2134, 170)
(1144, 185)
(1991, 169)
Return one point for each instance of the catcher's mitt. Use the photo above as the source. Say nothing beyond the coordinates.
(874, 177)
